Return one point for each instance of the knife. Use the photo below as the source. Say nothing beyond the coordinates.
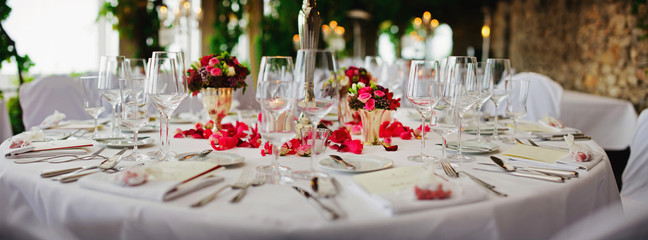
(561, 138)
(73, 177)
(340, 160)
(511, 170)
(548, 171)
(327, 212)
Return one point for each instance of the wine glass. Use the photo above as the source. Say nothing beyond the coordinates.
(462, 86)
(135, 115)
(485, 88)
(517, 92)
(275, 72)
(443, 122)
(277, 124)
(111, 69)
(317, 90)
(166, 87)
(92, 100)
(498, 70)
(423, 78)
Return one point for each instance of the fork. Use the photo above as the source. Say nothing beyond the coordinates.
(88, 157)
(74, 157)
(451, 172)
(259, 179)
(240, 183)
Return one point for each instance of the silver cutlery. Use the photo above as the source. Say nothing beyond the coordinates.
(242, 180)
(74, 157)
(510, 169)
(340, 160)
(326, 212)
(548, 147)
(118, 138)
(451, 172)
(547, 171)
(562, 139)
(326, 187)
(107, 164)
(201, 154)
(210, 197)
(259, 179)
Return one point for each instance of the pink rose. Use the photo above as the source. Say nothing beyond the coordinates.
(209, 68)
(304, 150)
(370, 105)
(379, 93)
(213, 61)
(236, 61)
(365, 90)
(356, 129)
(216, 72)
(363, 97)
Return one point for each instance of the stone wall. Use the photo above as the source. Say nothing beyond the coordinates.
(592, 46)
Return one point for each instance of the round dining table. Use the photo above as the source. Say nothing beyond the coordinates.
(533, 209)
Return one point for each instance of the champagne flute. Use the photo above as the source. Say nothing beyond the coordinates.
(423, 78)
(275, 72)
(92, 100)
(134, 112)
(317, 91)
(277, 124)
(517, 93)
(498, 70)
(111, 69)
(462, 86)
(166, 87)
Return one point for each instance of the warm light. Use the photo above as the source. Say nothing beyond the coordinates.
(326, 29)
(333, 24)
(485, 31)
(427, 15)
(296, 38)
(187, 5)
(417, 21)
(163, 10)
(339, 30)
(434, 23)
(413, 34)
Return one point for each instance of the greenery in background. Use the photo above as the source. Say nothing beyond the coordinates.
(227, 26)
(138, 21)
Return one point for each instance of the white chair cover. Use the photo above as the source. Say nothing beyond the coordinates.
(607, 223)
(544, 96)
(41, 97)
(5, 124)
(635, 176)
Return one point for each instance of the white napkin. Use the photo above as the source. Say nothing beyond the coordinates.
(44, 149)
(155, 190)
(52, 120)
(566, 163)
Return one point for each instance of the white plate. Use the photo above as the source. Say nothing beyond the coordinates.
(220, 158)
(472, 147)
(362, 163)
(120, 143)
(145, 129)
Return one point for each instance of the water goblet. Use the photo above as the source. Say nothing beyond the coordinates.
(92, 100)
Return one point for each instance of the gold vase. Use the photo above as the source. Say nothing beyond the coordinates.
(371, 121)
(217, 103)
(345, 113)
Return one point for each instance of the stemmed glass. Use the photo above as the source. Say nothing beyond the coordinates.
(111, 69)
(462, 86)
(485, 88)
(275, 72)
(423, 78)
(444, 122)
(317, 91)
(497, 70)
(92, 100)
(134, 111)
(136, 68)
(517, 91)
(166, 87)
(277, 124)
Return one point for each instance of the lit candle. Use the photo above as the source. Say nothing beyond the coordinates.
(486, 42)
(276, 103)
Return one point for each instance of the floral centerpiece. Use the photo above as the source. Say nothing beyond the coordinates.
(345, 78)
(216, 77)
(372, 102)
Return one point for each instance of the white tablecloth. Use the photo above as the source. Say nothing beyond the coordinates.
(534, 209)
(611, 122)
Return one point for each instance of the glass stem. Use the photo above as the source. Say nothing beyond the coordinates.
(478, 114)
(422, 135)
(496, 131)
(444, 139)
(135, 131)
(312, 147)
(166, 133)
(459, 134)
(96, 128)
(275, 158)
(515, 122)
(114, 121)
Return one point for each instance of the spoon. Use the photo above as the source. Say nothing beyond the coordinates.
(201, 154)
(103, 166)
(324, 186)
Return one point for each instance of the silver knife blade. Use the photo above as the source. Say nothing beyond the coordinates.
(327, 213)
(340, 160)
(528, 175)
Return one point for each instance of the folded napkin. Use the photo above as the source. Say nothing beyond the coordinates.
(166, 181)
(44, 149)
(543, 157)
(533, 127)
(393, 191)
(76, 125)
(52, 120)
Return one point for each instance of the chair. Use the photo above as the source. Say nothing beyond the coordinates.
(39, 99)
(5, 125)
(634, 193)
(544, 96)
(607, 223)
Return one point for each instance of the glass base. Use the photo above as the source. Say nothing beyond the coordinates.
(161, 155)
(137, 157)
(461, 158)
(270, 169)
(418, 158)
(308, 175)
(278, 178)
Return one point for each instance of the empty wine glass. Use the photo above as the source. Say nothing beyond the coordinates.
(443, 122)
(485, 88)
(277, 124)
(462, 86)
(423, 78)
(498, 70)
(275, 72)
(111, 69)
(317, 90)
(517, 92)
(135, 115)
(92, 100)
(166, 87)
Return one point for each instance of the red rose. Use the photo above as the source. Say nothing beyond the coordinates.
(340, 135)
(204, 61)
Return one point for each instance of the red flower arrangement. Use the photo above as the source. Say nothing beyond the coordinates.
(371, 97)
(217, 71)
(229, 137)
